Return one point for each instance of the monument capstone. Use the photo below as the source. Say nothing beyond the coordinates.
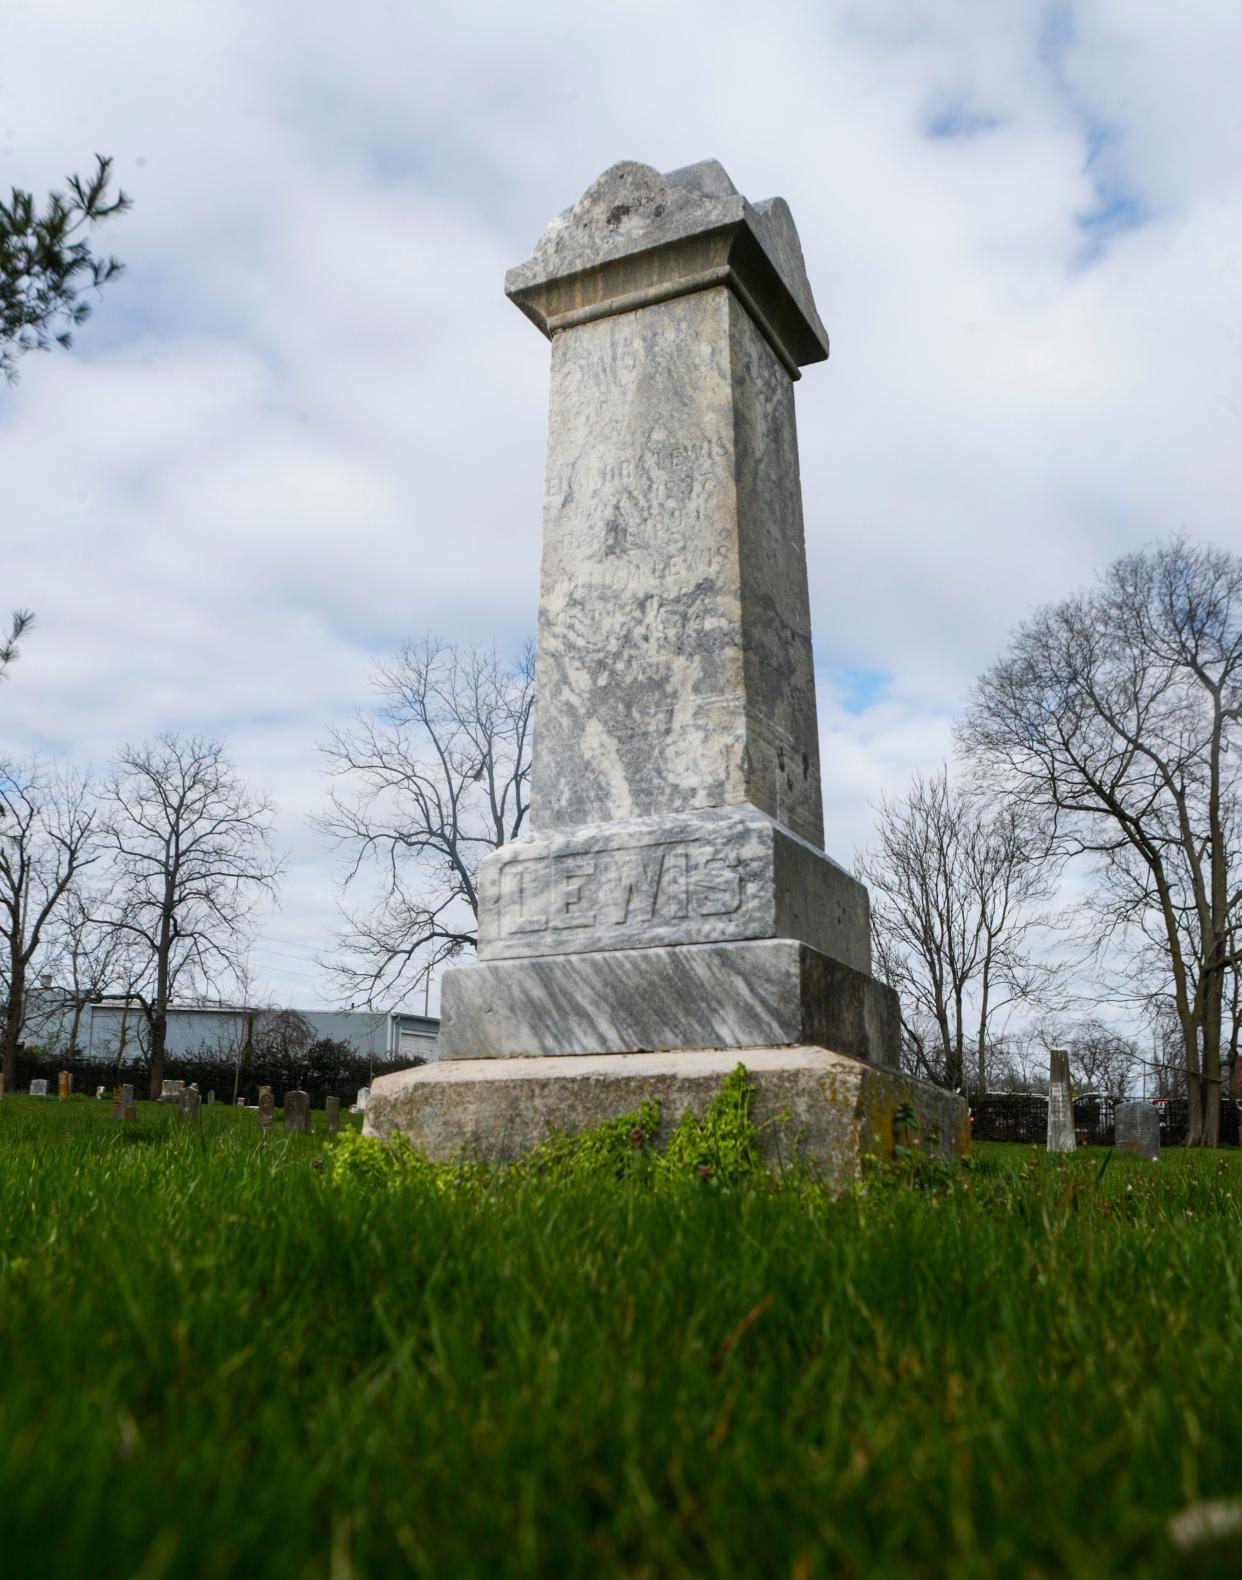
(672, 908)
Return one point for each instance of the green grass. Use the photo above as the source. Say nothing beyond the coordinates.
(221, 1360)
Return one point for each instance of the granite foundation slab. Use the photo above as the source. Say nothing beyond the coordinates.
(812, 1106)
(679, 878)
(756, 994)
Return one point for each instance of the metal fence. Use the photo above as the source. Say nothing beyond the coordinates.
(1023, 1116)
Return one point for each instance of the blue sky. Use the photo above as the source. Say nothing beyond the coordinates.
(307, 424)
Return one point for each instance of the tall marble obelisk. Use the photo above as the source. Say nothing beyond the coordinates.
(674, 892)
(673, 896)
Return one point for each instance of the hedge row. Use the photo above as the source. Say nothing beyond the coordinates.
(325, 1069)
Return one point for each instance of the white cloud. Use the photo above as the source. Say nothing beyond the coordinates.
(307, 423)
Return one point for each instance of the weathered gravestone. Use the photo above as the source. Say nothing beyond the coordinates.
(38, 1088)
(211, 1096)
(1061, 1137)
(267, 1107)
(673, 908)
(1137, 1129)
(332, 1108)
(297, 1111)
(64, 1084)
(168, 1092)
(128, 1111)
(189, 1105)
(360, 1102)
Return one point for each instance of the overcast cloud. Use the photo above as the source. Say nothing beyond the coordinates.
(307, 424)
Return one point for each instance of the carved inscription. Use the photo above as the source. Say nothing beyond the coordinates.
(621, 889)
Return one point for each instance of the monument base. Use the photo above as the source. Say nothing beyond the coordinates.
(813, 1107)
(758, 993)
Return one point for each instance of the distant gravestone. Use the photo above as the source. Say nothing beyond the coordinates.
(360, 1106)
(128, 1111)
(267, 1107)
(116, 1103)
(38, 1088)
(188, 1102)
(211, 1097)
(241, 1102)
(64, 1084)
(1061, 1136)
(297, 1110)
(100, 1092)
(1138, 1129)
(168, 1091)
(332, 1108)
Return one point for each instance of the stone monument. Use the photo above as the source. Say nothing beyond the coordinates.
(1061, 1137)
(672, 910)
(1138, 1130)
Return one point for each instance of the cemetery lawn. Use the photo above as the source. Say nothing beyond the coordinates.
(222, 1360)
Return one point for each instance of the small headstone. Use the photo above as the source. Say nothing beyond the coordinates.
(1061, 1137)
(360, 1107)
(128, 1111)
(181, 1086)
(297, 1110)
(332, 1108)
(168, 1091)
(116, 1103)
(64, 1084)
(38, 1088)
(241, 1103)
(188, 1105)
(1138, 1129)
(211, 1097)
(267, 1107)
(100, 1092)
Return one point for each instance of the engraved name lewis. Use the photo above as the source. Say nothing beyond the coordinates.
(627, 889)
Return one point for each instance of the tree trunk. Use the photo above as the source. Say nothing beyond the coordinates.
(1211, 1062)
(13, 1030)
(121, 1042)
(75, 1027)
(159, 1035)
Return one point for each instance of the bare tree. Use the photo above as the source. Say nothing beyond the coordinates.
(191, 853)
(1116, 718)
(90, 957)
(436, 777)
(954, 885)
(47, 837)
